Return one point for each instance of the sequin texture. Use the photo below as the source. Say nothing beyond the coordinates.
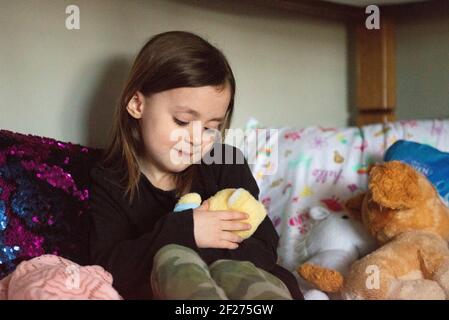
(44, 191)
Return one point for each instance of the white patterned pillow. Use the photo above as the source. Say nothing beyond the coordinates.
(297, 169)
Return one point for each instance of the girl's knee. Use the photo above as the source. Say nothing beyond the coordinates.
(232, 265)
(172, 255)
(243, 280)
(175, 248)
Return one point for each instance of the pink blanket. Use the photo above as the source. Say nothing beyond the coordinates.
(50, 277)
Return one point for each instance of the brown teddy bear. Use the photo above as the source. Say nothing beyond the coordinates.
(405, 214)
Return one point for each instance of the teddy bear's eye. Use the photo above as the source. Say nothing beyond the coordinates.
(345, 217)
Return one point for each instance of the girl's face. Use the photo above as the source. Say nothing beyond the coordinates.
(174, 124)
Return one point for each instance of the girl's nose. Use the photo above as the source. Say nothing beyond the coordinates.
(196, 138)
(193, 142)
(196, 134)
(194, 146)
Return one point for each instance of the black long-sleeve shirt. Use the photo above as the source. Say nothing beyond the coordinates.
(123, 237)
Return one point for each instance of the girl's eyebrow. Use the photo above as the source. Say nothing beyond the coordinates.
(195, 113)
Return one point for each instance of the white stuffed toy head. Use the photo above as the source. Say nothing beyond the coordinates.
(332, 245)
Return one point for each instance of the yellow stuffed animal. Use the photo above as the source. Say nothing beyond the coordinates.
(229, 199)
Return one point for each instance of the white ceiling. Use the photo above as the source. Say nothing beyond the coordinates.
(363, 3)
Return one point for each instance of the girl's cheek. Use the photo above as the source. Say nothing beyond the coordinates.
(172, 134)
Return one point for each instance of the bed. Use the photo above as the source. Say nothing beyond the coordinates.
(44, 186)
(298, 169)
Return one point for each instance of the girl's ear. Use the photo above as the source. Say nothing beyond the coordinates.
(135, 105)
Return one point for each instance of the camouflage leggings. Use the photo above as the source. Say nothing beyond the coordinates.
(180, 273)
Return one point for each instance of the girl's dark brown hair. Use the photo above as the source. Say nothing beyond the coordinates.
(167, 61)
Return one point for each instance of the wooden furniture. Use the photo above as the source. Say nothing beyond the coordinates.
(373, 50)
(375, 72)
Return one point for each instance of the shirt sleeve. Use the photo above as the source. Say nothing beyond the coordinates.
(111, 245)
(261, 247)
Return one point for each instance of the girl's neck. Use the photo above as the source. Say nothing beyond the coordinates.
(159, 179)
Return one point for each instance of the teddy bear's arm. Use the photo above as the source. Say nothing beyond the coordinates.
(326, 280)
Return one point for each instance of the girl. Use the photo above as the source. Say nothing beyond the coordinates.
(177, 81)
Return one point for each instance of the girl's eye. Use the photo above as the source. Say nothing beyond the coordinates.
(211, 130)
(180, 123)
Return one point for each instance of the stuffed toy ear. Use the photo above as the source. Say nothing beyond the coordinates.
(242, 200)
(319, 213)
(395, 185)
(354, 206)
(188, 201)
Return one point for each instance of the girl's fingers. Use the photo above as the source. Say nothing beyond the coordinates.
(234, 225)
(204, 205)
(231, 215)
(224, 244)
(230, 236)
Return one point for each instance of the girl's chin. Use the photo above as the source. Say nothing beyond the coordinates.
(178, 167)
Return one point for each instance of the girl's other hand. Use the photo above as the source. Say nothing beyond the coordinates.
(212, 229)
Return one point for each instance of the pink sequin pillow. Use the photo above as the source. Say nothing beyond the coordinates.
(44, 190)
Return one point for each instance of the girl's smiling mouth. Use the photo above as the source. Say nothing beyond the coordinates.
(183, 153)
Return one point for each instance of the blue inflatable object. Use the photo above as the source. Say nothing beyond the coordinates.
(434, 164)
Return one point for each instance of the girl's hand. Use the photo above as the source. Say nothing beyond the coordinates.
(212, 229)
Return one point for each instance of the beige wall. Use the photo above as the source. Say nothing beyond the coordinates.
(64, 84)
(423, 65)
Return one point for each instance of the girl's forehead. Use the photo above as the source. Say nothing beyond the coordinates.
(200, 100)
(206, 92)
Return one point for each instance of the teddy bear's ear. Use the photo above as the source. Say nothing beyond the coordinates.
(395, 185)
(354, 206)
